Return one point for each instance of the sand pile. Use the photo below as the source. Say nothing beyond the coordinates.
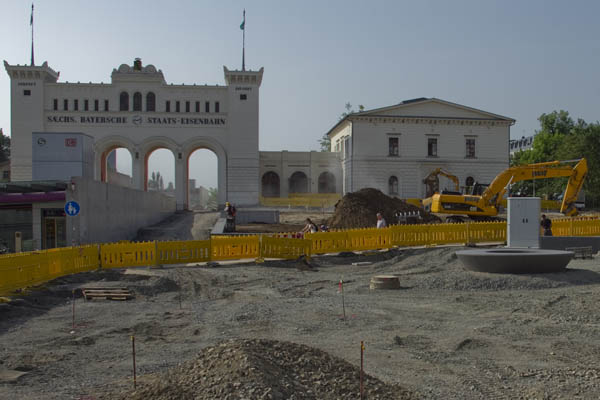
(264, 369)
(359, 209)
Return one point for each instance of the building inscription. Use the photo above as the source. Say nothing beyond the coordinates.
(136, 120)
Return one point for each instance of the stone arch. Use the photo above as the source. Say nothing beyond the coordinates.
(213, 145)
(270, 184)
(102, 149)
(153, 143)
(298, 182)
(326, 182)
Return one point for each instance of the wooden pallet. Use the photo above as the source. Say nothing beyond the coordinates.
(113, 293)
(581, 252)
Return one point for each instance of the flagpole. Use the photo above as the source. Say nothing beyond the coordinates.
(244, 43)
(31, 23)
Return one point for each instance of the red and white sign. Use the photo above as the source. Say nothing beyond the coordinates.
(71, 142)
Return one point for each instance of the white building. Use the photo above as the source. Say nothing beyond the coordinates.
(391, 148)
(141, 112)
(394, 148)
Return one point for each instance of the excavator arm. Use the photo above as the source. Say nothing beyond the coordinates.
(553, 169)
(488, 203)
(439, 171)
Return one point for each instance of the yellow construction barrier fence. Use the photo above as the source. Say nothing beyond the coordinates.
(31, 268)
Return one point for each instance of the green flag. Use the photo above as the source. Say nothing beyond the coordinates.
(243, 25)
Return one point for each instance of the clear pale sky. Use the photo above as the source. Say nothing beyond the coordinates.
(514, 58)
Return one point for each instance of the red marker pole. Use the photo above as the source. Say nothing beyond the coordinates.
(133, 354)
(362, 350)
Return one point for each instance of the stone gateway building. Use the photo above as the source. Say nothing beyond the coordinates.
(141, 112)
(392, 148)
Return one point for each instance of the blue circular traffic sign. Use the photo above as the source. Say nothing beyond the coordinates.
(72, 208)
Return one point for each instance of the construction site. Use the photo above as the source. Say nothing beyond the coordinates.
(352, 313)
(413, 257)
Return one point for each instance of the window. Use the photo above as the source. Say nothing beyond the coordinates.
(55, 104)
(197, 106)
(469, 182)
(76, 105)
(432, 147)
(150, 101)
(137, 101)
(217, 106)
(207, 107)
(124, 102)
(470, 142)
(26, 92)
(243, 96)
(168, 106)
(86, 105)
(177, 106)
(96, 105)
(187, 106)
(346, 147)
(393, 185)
(66, 104)
(5, 174)
(105, 105)
(393, 146)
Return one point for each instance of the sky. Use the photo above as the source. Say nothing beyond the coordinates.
(514, 58)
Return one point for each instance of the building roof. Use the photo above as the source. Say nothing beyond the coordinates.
(406, 104)
(33, 187)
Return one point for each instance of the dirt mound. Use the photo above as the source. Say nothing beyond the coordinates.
(359, 209)
(264, 369)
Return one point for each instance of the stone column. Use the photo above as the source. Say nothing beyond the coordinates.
(137, 169)
(181, 180)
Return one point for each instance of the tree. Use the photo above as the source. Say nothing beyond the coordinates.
(4, 146)
(212, 201)
(561, 138)
(325, 141)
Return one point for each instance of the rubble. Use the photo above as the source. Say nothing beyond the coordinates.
(264, 369)
(359, 209)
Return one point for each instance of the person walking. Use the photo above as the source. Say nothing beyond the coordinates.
(381, 221)
(546, 225)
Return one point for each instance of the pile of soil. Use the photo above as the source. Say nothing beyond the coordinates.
(264, 369)
(359, 209)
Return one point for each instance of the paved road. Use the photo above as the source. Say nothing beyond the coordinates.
(187, 225)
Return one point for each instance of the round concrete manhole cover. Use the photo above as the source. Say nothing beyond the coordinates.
(385, 282)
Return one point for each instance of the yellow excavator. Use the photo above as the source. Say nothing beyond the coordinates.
(432, 183)
(486, 206)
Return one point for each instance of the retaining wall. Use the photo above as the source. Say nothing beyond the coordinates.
(110, 213)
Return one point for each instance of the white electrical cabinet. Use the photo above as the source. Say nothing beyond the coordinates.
(523, 228)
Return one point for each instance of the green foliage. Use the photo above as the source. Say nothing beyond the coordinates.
(561, 138)
(325, 142)
(212, 198)
(4, 146)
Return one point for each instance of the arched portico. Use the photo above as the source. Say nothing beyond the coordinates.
(104, 146)
(182, 179)
(154, 143)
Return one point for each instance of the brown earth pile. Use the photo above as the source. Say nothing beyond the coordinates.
(359, 209)
(264, 369)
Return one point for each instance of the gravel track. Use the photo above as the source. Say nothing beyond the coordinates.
(447, 333)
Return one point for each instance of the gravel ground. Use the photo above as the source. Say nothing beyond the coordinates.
(447, 333)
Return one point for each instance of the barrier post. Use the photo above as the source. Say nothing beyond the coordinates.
(468, 234)
(261, 258)
(156, 253)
